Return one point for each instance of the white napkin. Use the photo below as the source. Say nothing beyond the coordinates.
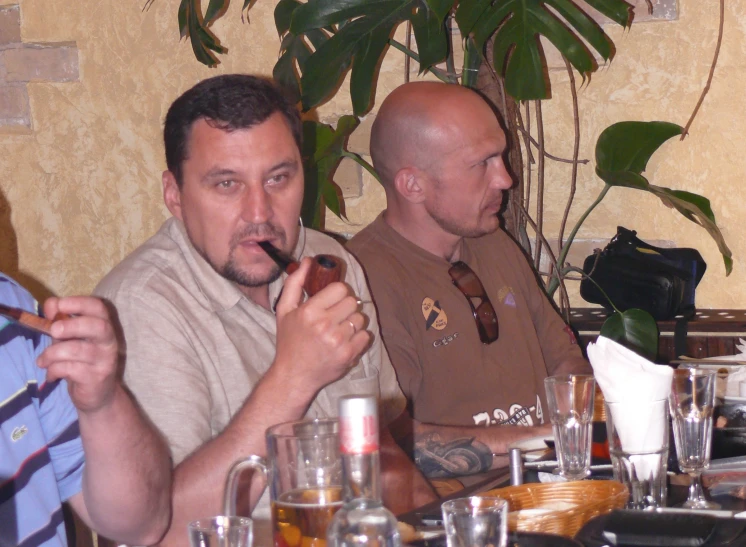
(634, 383)
(624, 376)
(740, 356)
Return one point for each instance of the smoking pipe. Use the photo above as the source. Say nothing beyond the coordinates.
(325, 269)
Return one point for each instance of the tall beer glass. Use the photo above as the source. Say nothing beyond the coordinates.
(304, 477)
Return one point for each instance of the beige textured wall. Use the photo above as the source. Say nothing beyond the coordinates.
(83, 189)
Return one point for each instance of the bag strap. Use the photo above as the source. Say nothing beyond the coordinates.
(682, 261)
(680, 333)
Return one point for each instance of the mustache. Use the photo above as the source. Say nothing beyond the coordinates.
(262, 231)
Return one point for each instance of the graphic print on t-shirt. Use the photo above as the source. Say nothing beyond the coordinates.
(505, 295)
(435, 316)
(517, 414)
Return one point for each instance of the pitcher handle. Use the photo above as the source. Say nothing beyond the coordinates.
(231, 481)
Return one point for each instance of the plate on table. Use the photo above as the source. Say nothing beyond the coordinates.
(515, 539)
(533, 448)
(531, 539)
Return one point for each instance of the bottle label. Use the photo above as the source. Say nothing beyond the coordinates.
(358, 435)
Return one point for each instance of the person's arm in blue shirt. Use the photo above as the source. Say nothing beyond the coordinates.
(127, 474)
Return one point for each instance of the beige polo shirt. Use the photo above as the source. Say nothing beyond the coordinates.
(196, 346)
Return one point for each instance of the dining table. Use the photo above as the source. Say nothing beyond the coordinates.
(428, 518)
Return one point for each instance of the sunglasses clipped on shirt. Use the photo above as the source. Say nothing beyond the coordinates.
(471, 287)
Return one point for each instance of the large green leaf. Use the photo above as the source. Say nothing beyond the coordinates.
(322, 13)
(618, 12)
(191, 23)
(359, 43)
(312, 208)
(468, 14)
(294, 49)
(283, 14)
(431, 37)
(213, 10)
(182, 18)
(622, 154)
(323, 148)
(517, 25)
(628, 146)
(586, 26)
(360, 40)
(365, 68)
(441, 8)
(635, 329)
(697, 209)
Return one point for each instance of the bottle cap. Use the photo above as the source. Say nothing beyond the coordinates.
(358, 424)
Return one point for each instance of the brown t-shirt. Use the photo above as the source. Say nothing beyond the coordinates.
(448, 375)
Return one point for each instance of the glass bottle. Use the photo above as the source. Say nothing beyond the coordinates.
(362, 520)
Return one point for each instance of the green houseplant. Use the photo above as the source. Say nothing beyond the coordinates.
(322, 40)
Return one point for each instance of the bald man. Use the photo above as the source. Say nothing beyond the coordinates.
(470, 332)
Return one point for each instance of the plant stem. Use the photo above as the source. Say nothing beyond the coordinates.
(564, 298)
(442, 75)
(575, 153)
(470, 68)
(360, 161)
(529, 156)
(685, 132)
(589, 278)
(539, 182)
(547, 154)
(450, 67)
(408, 45)
(554, 282)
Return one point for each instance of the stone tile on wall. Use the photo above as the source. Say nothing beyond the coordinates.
(39, 62)
(359, 141)
(349, 178)
(14, 106)
(10, 24)
(23, 62)
(663, 10)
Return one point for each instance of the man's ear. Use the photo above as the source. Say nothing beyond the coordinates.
(171, 194)
(409, 183)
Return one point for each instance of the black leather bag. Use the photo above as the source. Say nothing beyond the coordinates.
(635, 274)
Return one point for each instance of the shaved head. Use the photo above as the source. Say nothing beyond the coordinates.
(439, 149)
(412, 126)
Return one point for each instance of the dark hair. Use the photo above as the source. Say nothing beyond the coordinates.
(229, 102)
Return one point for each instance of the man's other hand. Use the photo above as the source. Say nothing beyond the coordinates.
(319, 340)
(84, 352)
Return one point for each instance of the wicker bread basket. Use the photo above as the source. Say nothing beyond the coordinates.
(559, 508)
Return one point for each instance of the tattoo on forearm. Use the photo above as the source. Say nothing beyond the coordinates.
(437, 458)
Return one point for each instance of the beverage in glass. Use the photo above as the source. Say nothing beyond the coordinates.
(570, 400)
(301, 517)
(304, 477)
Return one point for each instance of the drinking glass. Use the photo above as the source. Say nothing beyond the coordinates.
(692, 404)
(476, 522)
(304, 476)
(638, 446)
(570, 400)
(220, 532)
